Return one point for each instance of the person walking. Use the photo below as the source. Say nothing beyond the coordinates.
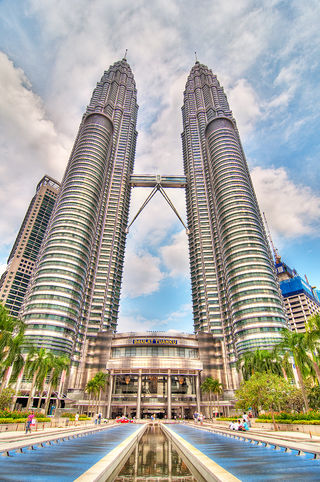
(29, 422)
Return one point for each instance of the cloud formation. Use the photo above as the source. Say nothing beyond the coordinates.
(175, 256)
(142, 274)
(30, 146)
(292, 210)
(265, 55)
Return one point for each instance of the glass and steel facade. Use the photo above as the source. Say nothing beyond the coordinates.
(234, 287)
(148, 373)
(76, 287)
(14, 281)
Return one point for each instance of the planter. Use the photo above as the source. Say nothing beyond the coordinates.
(289, 427)
(55, 422)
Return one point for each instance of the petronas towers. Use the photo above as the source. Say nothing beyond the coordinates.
(75, 290)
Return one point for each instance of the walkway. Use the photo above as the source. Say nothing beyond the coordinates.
(63, 461)
(251, 462)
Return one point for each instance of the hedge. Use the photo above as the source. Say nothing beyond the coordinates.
(23, 420)
(72, 416)
(230, 419)
(289, 422)
(286, 416)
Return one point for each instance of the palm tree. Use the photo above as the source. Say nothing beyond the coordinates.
(217, 389)
(101, 379)
(245, 364)
(260, 361)
(295, 343)
(11, 338)
(92, 390)
(312, 336)
(35, 365)
(58, 366)
(13, 361)
(211, 385)
(43, 373)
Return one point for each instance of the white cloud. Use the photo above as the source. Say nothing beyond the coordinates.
(142, 275)
(176, 256)
(263, 53)
(292, 210)
(157, 219)
(245, 106)
(136, 323)
(29, 145)
(181, 320)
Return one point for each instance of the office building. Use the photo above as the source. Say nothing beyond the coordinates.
(76, 289)
(300, 298)
(73, 301)
(234, 288)
(21, 261)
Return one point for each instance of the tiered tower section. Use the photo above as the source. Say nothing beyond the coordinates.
(234, 288)
(76, 288)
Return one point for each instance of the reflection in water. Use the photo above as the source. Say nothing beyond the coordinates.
(155, 457)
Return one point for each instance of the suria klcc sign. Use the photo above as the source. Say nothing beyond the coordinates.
(154, 341)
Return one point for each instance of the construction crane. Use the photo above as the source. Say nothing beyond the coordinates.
(276, 255)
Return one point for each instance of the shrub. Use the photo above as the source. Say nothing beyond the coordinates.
(6, 420)
(286, 416)
(291, 422)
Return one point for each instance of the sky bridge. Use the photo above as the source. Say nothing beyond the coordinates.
(152, 180)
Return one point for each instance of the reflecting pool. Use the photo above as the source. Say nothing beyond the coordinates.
(154, 457)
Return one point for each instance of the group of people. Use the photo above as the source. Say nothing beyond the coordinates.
(241, 425)
(97, 418)
(198, 417)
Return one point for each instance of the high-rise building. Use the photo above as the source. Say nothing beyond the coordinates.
(76, 288)
(21, 261)
(301, 300)
(234, 287)
(74, 294)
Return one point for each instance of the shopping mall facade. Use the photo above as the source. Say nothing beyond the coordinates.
(153, 373)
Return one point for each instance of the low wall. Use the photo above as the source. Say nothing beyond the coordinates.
(290, 427)
(285, 427)
(54, 423)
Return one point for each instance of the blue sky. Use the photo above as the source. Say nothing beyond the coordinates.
(265, 54)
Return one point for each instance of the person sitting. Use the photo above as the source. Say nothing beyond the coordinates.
(236, 425)
(240, 426)
(245, 425)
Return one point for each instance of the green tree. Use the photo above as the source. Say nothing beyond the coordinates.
(57, 366)
(92, 389)
(314, 397)
(46, 366)
(11, 339)
(36, 365)
(312, 337)
(295, 343)
(264, 391)
(6, 397)
(259, 361)
(211, 386)
(101, 379)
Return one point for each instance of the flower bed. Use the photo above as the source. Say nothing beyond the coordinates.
(23, 420)
(289, 422)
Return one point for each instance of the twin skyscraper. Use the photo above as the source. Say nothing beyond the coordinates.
(75, 290)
